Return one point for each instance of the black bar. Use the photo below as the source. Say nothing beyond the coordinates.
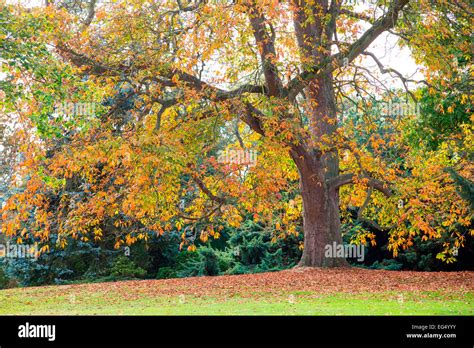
(348, 331)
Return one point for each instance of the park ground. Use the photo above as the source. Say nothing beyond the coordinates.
(299, 291)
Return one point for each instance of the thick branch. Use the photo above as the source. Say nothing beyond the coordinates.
(356, 15)
(169, 77)
(349, 178)
(331, 63)
(90, 14)
(207, 192)
(334, 11)
(266, 45)
(371, 223)
(251, 118)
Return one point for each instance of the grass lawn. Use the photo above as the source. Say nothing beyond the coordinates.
(306, 292)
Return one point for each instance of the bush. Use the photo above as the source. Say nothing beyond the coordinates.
(240, 269)
(124, 268)
(77, 261)
(28, 272)
(246, 251)
(390, 265)
(166, 273)
(203, 262)
(3, 279)
(254, 251)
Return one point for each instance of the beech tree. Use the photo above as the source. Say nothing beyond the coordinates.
(278, 73)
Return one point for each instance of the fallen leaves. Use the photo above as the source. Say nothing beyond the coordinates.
(311, 281)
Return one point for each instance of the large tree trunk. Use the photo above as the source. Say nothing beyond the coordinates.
(321, 219)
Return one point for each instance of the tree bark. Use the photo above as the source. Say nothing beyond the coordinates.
(321, 222)
(321, 218)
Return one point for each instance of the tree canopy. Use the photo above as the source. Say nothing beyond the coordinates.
(126, 107)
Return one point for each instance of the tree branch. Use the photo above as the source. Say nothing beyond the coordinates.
(371, 223)
(205, 189)
(349, 178)
(356, 15)
(217, 94)
(90, 15)
(386, 22)
(384, 70)
(266, 45)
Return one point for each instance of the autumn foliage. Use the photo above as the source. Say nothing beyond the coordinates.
(175, 83)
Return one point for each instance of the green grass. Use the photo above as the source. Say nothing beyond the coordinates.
(38, 301)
